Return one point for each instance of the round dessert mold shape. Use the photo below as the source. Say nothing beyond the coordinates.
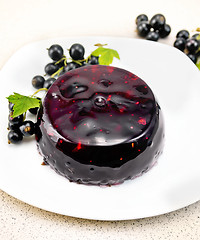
(100, 125)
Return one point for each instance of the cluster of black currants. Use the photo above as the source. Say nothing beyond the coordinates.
(60, 64)
(189, 45)
(18, 128)
(154, 29)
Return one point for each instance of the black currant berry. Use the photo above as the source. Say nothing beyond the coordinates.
(16, 120)
(143, 28)
(192, 57)
(49, 82)
(38, 82)
(10, 106)
(51, 68)
(27, 128)
(93, 60)
(152, 36)
(141, 18)
(15, 136)
(157, 22)
(77, 51)
(33, 110)
(71, 66)
(13, 126)
(195, 36)
(55, 52)
(165, 31)
(183, 34)
(180, 43)
(192, 45)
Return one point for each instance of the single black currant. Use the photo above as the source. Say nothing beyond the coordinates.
(77, 51)
(10, 106)
(152, 36)
(13, 126)
(15, 136)
(16, 120)
(93, 60)
(196, 36)
(157, 22)
(183, 34)
(141, 18)
(192, 45)
(51, 68)
(143, 28)
(33, 110)
(71, 66)
(55, 52)
(192, 57)
(180, 43)
(38, 82)
(27, 128)
(165, 31)
(49, 82)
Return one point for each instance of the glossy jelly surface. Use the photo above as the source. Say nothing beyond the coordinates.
(100, 125)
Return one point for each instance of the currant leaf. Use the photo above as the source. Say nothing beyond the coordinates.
(22, 103)
(105, 55)
(198, 65)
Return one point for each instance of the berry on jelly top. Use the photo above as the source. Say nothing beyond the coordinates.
(99, 105)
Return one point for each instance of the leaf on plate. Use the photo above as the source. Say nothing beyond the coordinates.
(105, 55)
(198, 65)
(22, 103)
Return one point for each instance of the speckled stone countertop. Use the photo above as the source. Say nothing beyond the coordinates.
(21, 221)
(22, 22)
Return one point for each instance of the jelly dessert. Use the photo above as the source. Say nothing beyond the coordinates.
(100, 125)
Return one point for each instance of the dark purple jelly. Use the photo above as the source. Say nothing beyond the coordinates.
(100, 125)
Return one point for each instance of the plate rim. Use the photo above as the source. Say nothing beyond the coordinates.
(86, 37)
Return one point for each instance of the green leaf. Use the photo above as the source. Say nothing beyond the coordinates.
(98, 51)
(105, 55)
(198, 65)
(22, 103)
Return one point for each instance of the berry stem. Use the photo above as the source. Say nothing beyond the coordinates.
(78, 61)
(88, 57)
(39, 90)
(100, 45)
(63, 58)
(57, 72)
(82, 60)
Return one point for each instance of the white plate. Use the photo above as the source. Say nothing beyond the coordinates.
(172, 184)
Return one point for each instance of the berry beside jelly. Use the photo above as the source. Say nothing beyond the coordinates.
(100, 125)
